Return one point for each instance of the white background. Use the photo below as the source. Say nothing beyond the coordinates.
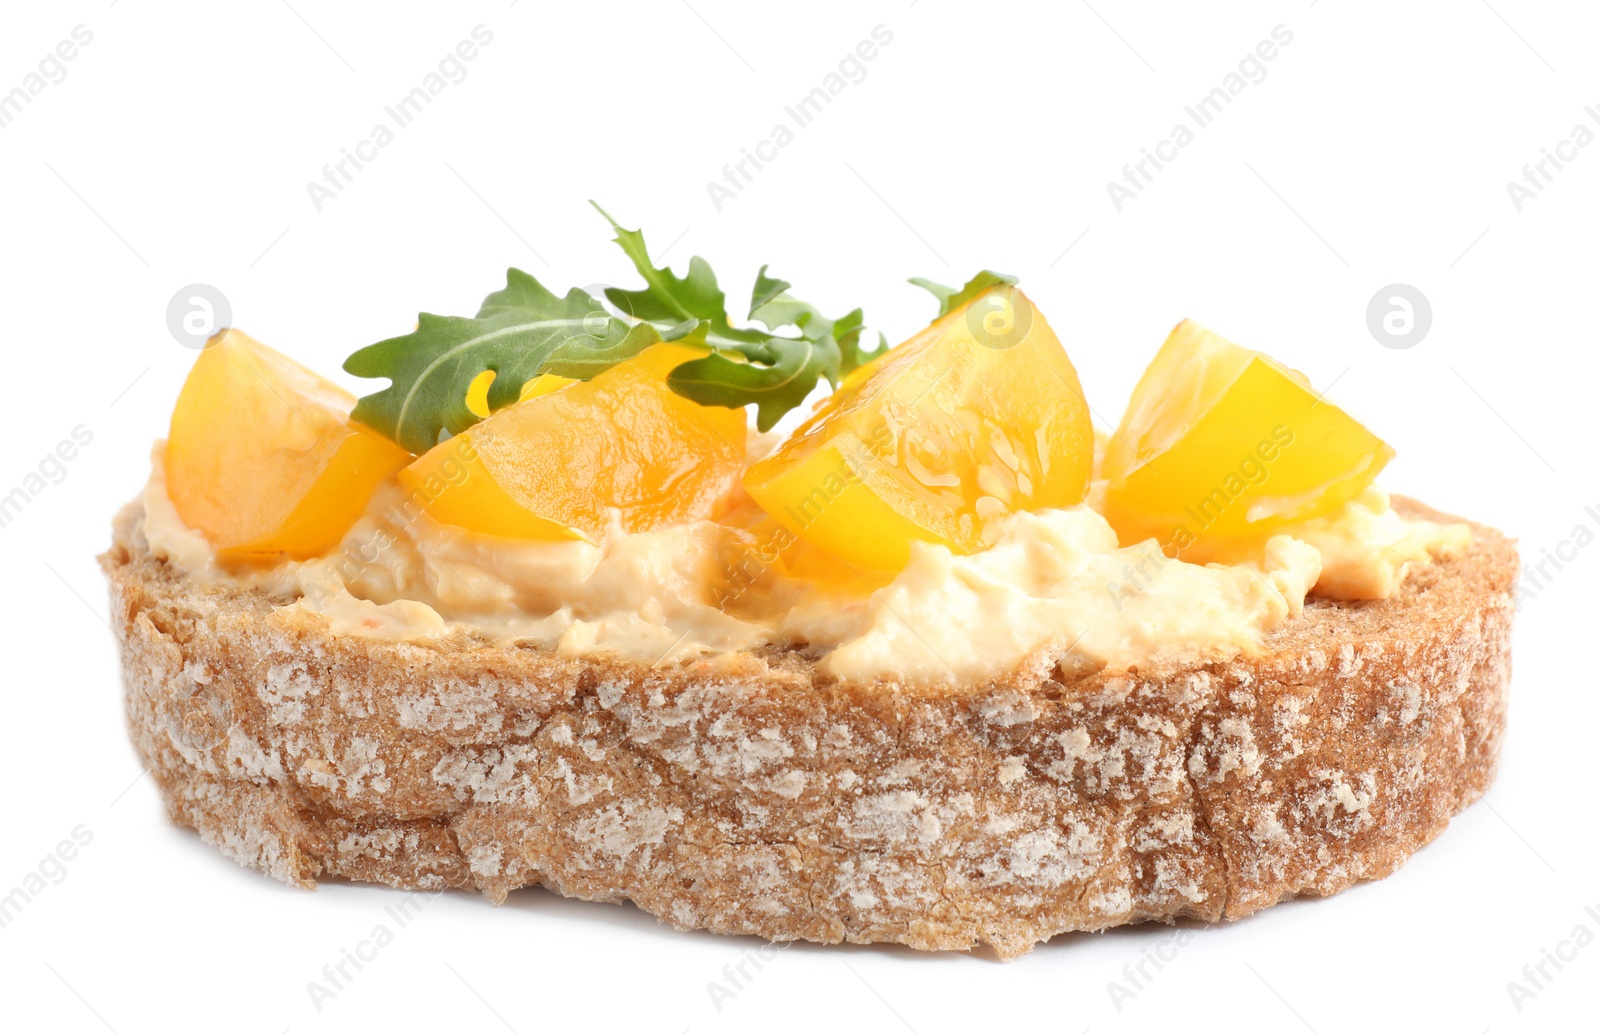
(1376, 150)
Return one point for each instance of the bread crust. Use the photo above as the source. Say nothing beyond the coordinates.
(761, 797)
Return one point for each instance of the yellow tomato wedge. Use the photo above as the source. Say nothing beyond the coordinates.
(478, 390)
(262, 457)
(1222, 446)
(935, 439)
(555, 464)
(751, 563)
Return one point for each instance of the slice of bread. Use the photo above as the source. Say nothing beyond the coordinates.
(765, 798)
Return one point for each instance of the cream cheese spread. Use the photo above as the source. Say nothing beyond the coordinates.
(1053, 582)
(1368, 549)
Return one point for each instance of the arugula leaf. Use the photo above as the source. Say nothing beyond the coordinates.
(666, 296)
(771, 303)
(520, 332)
(775, 387)
(524, 330)
(748, 365)
(780, 379)
(850, 347)
(951, 298)
(834, 351)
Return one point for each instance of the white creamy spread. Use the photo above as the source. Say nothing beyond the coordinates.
(1367, 549)
(1054, 580)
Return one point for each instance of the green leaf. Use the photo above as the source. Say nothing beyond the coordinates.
(766, 289)
(782, 310)
(669, 298)
(850, 351)
(951, 298)
(520, 332)
(776, 374)
(524, 330)
(774, 306)
(780, 381)
(749, 365)
(775, 388)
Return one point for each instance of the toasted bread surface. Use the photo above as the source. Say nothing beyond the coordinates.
(759, 796)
